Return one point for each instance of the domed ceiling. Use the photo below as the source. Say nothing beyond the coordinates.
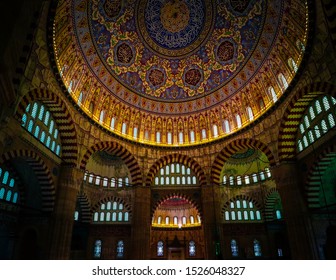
(178, 72)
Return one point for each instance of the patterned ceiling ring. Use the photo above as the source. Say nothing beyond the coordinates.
(293, 115)
(42, 173)
(233, 148)
(176, 158)
(62, 118)
(104, 58)
(119, 151)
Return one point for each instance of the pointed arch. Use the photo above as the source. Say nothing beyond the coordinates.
(270, 200)
(316, 172)
(42, 173)
(256, 206)
(293, 115)
(234, 147)
(120, 151)
(176, 158)
(62, 117)
(176, 195)
(126, 206)
(85, 207)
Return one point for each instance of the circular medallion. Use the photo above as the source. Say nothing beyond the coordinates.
(174, 28)
(175, 16)
(156, 77)
(112, 8)
(123, 54)
(226, 51)
(193, 77)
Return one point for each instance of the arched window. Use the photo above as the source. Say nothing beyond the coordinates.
(204, 134)
(238, 120)
(192, 249)
(102, 116)
(283, 82)
(76, 215)
(181, 137)
(9, 190)
(250, 113)
(167, 220)
(293, 66)
(272, 94)
(314, 124)
(160, 249)
(278, 214)
(80, 99)
(257, 248)
(124, 128)
(184, 220)
(120, 249)
(300, 45)
(112, 124)
(234, 248)
(43, 127)
(158, 137)
(97, 249)
(215, 130)
(227, 126)
(192, 136)
(135, 132)
(169, 138)
(118, 212)
(241, 210)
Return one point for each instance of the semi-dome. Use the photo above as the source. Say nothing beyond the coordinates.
(177, 72)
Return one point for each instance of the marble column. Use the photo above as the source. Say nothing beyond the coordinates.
(69, 183)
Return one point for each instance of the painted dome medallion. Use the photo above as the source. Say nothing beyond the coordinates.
(151, 64)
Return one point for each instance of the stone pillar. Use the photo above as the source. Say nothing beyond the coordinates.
(141, 224)
(211, 232)
(296, 216)
(69, 183)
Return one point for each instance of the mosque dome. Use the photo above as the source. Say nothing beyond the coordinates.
(177, 72)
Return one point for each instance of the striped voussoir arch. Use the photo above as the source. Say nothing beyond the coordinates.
(270, 200)
(84, 206)
(117, 150)
(293, 116)
(112, 199)
(42, 173)
(226, 206)
(234, 147)
(313, 182)
(62, 117)
(176, 195)
(176, 158)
